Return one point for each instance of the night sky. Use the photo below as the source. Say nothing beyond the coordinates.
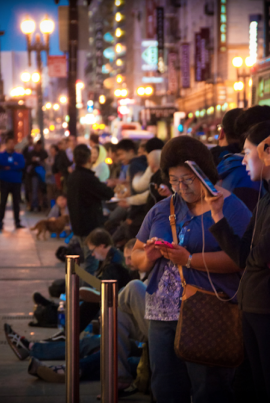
(12, 12)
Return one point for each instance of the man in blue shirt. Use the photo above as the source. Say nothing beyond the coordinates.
(11, 169)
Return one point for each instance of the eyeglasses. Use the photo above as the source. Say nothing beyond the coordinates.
(187, 182)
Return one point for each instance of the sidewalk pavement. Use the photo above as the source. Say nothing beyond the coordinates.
(26, 266)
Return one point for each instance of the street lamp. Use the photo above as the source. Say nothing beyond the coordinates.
(239, 85)
(28, 27)
(63, 99)
(56, 107)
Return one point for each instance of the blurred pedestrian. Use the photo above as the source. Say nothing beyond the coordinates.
(36, 170)
(85, 194)
(11, 170)
(99, 166)
(94, 140)
(26, 177)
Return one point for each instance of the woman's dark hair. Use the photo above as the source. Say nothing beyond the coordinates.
(94, 138)
(99, 236)
(97, 148)
(259, 132)
(126, 145)
(180, 149)
(154, 144)
(228, 123)
(56, 148)
(250, 117)
(81, 154)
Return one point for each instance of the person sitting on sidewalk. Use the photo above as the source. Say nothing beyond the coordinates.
(11, 170)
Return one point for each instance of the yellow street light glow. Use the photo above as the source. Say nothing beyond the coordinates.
(118, 48)
(102, 99)
(28, 26)
(118, 32)
(64, 125)
(250, 82)
(95, 126)
(238, 86)
(148, 91)
(249, 61)
(141, 91)
(63, 99)
(25, 77)
(119, 62)
(119, 79)
(118, 3)
(80, 84)
(117, 93)
(124, 92)
(46, 131)
(102, 126)
(48, 105)
(237, 61)
(28, 91)
(46, 26)
(190, 115)
(118, 17)
(51, 127)
(35, 77)
(56, 107)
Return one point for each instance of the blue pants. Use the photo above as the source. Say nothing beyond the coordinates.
(56, 350)
(173, 380)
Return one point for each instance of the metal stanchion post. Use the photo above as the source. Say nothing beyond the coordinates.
(109, 372)
(72, 331)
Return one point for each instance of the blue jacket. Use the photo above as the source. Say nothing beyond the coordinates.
(234, 178)
(15, 162)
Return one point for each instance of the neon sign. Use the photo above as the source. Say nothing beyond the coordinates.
(222, 24)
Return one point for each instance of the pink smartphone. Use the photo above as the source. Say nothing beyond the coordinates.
(164, 243)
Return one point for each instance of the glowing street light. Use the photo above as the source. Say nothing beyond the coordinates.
(48, 105)
(118, 32)
(102, 99)
(119, 62)
(237, 61)
(25, 77)
(119, 79)
(63, 99)
(28, 91)
(118, 3)
(148, 91)
(117, 93)
(140, 91)
(118, 17)
(238, 86)
(36, 77)
(124, 92)
(56, 107)
(46, 26)
(249, 61)
(28, 26)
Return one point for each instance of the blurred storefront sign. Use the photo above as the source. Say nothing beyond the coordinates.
(160, 39)
(99, 53)
(152, 80)
(267, 28)
(222, 25)
(197, 61)
(149, 55)
(205, 57)
(150, 19)
(172, 72)
(57, 66)
(185, 67)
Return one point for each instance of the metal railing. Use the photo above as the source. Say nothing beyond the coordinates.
(109, 372)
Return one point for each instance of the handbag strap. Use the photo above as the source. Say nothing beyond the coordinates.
(172, 219)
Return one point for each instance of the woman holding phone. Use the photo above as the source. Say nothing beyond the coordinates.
(172, 379)
(252, 251)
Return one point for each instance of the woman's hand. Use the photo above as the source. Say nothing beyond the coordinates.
(164, 191)
(152, 253)
(178, 255)
(216, 206)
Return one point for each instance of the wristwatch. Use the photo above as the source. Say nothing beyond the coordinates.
(188, 262)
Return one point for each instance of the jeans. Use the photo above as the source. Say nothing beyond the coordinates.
(15, 190)
(131, 325)
(256, 328)
(170, 381)
(56, 350)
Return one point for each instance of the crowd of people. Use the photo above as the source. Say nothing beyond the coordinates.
(117, 213)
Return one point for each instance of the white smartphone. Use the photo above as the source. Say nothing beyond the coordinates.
(202, 177)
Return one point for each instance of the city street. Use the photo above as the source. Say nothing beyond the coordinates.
(26, 266)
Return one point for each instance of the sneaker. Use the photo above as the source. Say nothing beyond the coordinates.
(33, 366)
(53, 374)
(59, 336)
(16, 342)
(40, 300)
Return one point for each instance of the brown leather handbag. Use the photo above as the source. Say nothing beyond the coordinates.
(209, 330)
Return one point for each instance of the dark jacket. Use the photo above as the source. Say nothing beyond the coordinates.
(112, 268)
(15, 162)
(254, 292)
(31, 165)
(235, 178)
(84, 195)
(61, 164)
(233, 175)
